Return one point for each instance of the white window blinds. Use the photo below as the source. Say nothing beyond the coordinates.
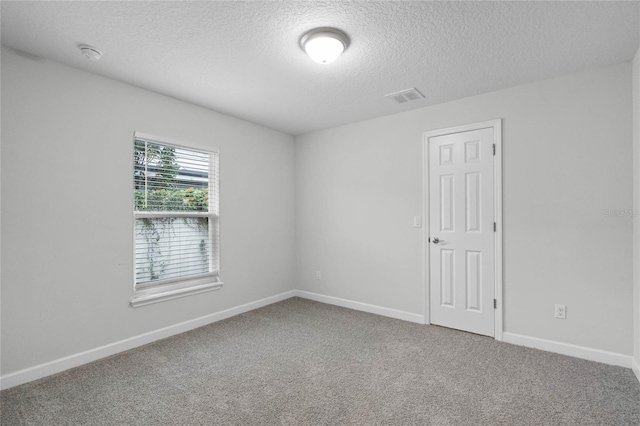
(176, 219)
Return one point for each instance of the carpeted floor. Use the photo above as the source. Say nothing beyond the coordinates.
(299, 362)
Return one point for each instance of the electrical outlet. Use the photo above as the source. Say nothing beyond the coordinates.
(417, 221)
(561, 311)
(318, 275)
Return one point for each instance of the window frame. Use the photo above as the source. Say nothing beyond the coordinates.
(172, 288)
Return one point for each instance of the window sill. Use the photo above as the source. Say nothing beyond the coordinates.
(145, 297)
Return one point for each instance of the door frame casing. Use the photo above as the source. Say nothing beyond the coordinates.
(496, 125)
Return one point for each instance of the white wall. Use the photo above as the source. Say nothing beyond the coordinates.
(67, 221)
(67, 266)
(636, 207)
(567, 159)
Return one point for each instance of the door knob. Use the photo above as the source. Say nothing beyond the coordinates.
(436, 240)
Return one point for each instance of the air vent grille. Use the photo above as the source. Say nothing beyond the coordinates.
(404, 96)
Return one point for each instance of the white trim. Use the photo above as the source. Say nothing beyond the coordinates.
(178, 143)
(359, 306)
(497, 191)
(426, 246)
(76, 360)
(56, 366)
(583, 352)
(636, 368)
(497, 212)
(143, 298)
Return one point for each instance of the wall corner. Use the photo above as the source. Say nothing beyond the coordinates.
(636, 207)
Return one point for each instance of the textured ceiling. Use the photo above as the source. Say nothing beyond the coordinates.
(243, 58)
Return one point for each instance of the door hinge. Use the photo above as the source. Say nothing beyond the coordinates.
(494, 149)
(495, 227)
(495, 304)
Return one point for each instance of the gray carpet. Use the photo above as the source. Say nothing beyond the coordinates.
(305, 363)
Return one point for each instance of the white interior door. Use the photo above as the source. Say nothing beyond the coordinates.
(461, 230)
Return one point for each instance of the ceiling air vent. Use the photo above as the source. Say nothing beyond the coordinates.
(405, 96)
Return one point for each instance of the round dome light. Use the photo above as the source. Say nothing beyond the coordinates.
(324, 45)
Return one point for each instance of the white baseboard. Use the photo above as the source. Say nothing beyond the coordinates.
(636, 369)
(359, 306)
(76, 360)
(605, 357)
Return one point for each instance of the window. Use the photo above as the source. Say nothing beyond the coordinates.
(175, 193)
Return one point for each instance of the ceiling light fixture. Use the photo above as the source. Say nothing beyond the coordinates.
(90, 52)
(324, 45)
